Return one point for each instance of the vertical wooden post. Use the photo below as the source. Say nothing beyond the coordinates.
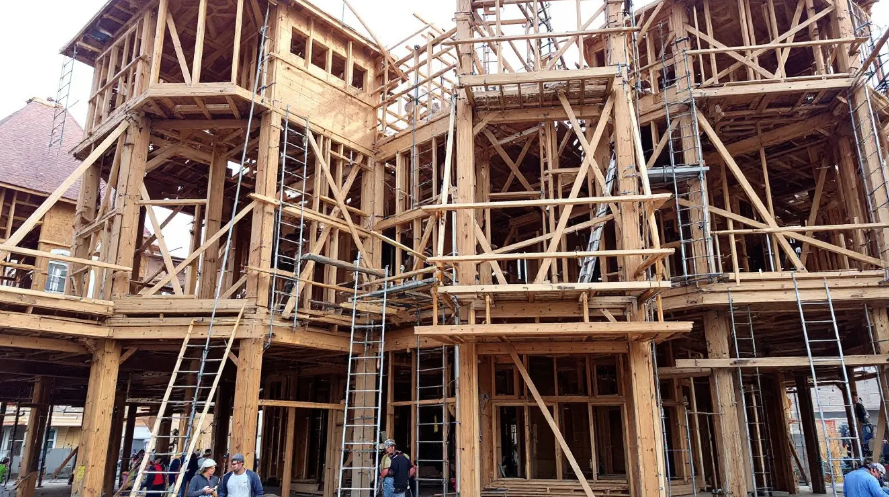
(465, 156)
(34, 435)
(332, 459)
(215, 201)
(96, 429)
(729, 441)
(222, 418)
(468, 429)
(129, 431)
(122, 243)
(777, 410)
(157, 55)
(246, 407)
(288, 452)
(810, 434)
(649, 455)
(263, 225)
(117, 420)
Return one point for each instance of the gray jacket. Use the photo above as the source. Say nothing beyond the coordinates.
(197, 484)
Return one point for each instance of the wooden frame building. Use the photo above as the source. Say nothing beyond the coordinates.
(625, 239)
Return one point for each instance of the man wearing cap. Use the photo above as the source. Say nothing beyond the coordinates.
(204, 483)
(240, 481)
(865, 482)
(396, 470)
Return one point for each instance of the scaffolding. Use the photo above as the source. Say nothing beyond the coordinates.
(686, 172)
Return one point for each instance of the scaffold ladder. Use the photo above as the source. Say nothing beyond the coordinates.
(63, 95)
(687, 169)
(196, 388)
(869, 149)
(821, 330)
(290, 228)
(758, 439)
(684, 448)
(431, 405)
(359, 470)
(588, 265)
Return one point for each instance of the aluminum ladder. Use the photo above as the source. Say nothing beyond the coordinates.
(684, 143)
(196, 388)
(431, 404)
(588, 265)
(63, 95)
(359, 469)
(758, 439)
(817, 330)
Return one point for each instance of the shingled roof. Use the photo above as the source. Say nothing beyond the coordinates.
(26, 160)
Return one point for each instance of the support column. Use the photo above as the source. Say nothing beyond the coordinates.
(810, 434)
(467, 418)
(776, 411)
(246, 408)
(288, 452)
(125, 227)
(117, 420)
(262, 232)
(127, 449)
(222, 412)
(646, 414)
(215, 201)
(465, 152)
(34, 436)
(96, 431)
(727, 430)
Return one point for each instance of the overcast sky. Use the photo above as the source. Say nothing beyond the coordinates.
(31, 38)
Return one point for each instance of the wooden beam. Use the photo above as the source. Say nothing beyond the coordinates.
(601, 328)
(749, 191)
(784, 362)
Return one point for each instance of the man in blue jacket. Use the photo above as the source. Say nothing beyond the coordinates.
(864, 481)
(240, 481)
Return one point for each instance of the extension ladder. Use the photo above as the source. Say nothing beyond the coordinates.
(359, 471)
(818, 330)
(758, 440)
(196, 388)
(433, 381)
(63, 93)
(687, 169)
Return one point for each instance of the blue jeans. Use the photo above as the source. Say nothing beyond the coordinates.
(389, 487)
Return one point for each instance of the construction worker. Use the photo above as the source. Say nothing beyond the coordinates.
(865, 481)
(396, 470)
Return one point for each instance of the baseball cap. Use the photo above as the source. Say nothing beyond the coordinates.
(238, 457)
(208, 463)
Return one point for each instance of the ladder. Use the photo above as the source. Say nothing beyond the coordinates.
(63, 93)
(758, 439)
(686, 170)
(684, 448)
(867, 142)
(824, 331)
(289, 238)
(196, 389)
(547, 45)
(359, 471)
(433, 384)
(588, 265)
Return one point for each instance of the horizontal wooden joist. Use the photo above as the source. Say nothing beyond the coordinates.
(556, 330)
(55, 301)
(539, 36)
(52, 324)
(300, 405)
(658, 199)
(179, 305)
(550, 255)
(607, 72)
(40, 343)
(785, 362)
(609, 347)
(554, 287)
(762, 88)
